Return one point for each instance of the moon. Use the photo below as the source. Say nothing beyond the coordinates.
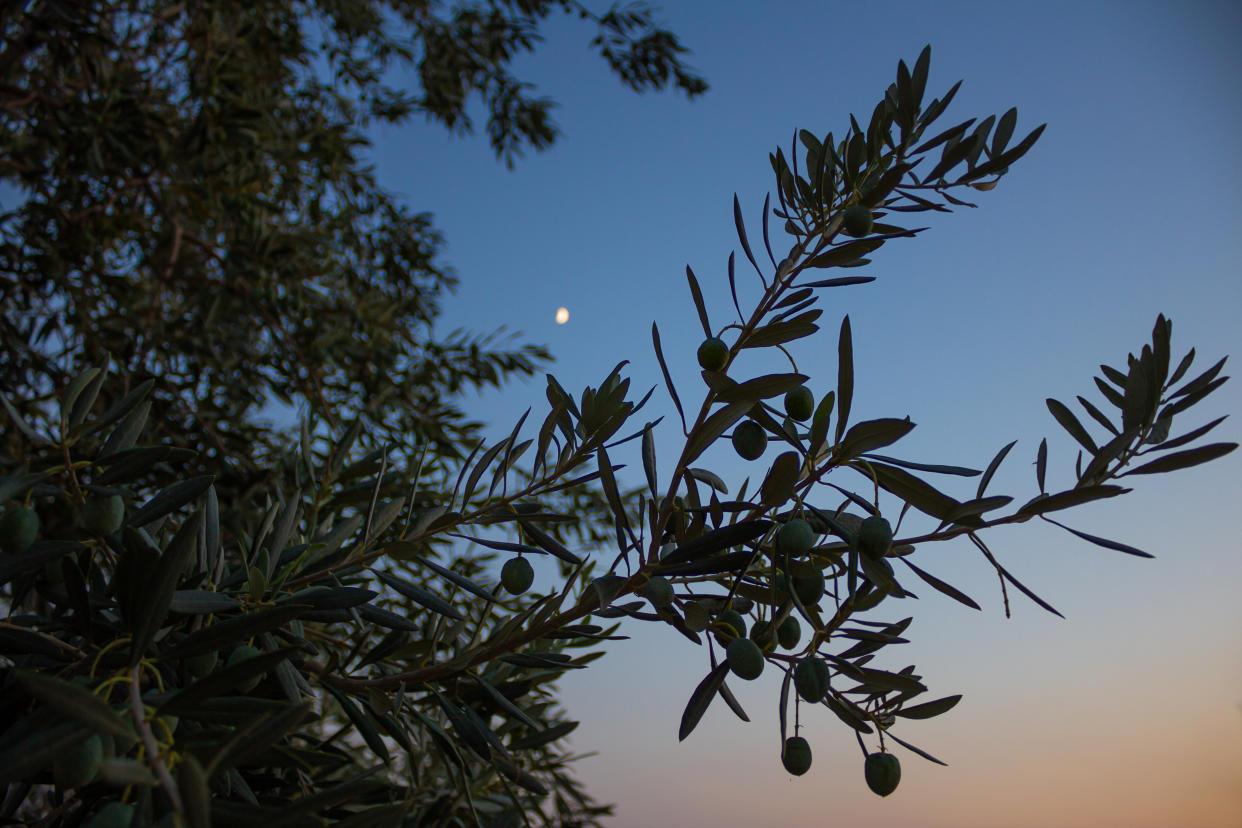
(562, 316)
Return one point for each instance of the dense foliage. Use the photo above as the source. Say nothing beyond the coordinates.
(212, 622)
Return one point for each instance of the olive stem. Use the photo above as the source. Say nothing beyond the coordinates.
(148, 740)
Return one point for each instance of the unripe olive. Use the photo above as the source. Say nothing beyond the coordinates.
(800, 403)
(750, 440)
(796, 755)
(856, 221)
(713, 354)
(795, 538)
(875, 536)
(763, 635)
(517, 575)
(77, 765)
(103, 515)
(811, 679)
(19, 527)
(745, 658)
(789, 633)
(882, 772)
(809, 590)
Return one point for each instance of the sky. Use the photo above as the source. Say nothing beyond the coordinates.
(1126, 713)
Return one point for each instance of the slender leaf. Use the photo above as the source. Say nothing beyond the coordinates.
(845, 377)
(1104, 542)
(697, 295)
(930, 709)
(668, 380)
(1183, 459)
(701, 698)
(1068, 498)
(1070, 423)
(940, 586)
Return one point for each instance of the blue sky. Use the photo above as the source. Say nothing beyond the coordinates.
(1125, 714)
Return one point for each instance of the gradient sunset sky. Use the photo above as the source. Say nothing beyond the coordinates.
(1129, 712)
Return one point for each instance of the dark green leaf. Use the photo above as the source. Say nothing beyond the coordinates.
(1097, 415)
(717, 540)
(841, 281)
(1070, 423)
(845, 377)
(911, 747)
(1104, 542)
(1200, 381)
(420, 596)
(778, 333)
(871, 434)
(732, 562)
(38, 750)
(523, 779)
(223, 681)
(930, 709)
(1191, 399)
(1068, 498)
(762, 388)
(649, 460)
(456, 577)
(387, 619)
(361, 721)
(909, 488)
(548, 543)
(1041, 463)
(697, 295)
(715, 425)
(544, 737)
(848, 712)
(1183, 459)
(1191, 436)
(974, 508)
(960, 471)
(778, 486)
(257, 738)
(74, 702)
(845, 253)
(820, 422)
(710, 478)
(504, 703)
(201, 602)
(940, 586)
(701, 698)
(230, 631)
(1004, 131)
(741, 234)
(174, 497)
(992, 467)
(159, 587)
(668, 380)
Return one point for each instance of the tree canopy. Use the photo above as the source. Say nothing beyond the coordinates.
(197, 202)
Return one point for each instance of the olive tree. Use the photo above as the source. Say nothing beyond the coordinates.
(331, 640)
